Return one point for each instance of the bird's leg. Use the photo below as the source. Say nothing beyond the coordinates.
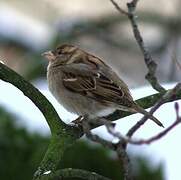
(78, 121)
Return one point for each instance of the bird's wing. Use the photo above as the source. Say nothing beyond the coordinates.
(78, 77)
(95, 84)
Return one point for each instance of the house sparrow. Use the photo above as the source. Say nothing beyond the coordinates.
(85, 85)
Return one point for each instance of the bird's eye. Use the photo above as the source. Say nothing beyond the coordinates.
(59, 52)
(64, 50)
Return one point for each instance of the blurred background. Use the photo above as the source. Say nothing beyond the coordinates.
(28, 28)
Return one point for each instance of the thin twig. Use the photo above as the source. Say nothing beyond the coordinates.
(118, 148)
(175, 60)
(122, 11)
(156, 137)
(86, 128)
(147, 141)
(169, 95)
(125, 161)
(163, 133)
(150, 63)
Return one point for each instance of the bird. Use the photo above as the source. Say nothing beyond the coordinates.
(85, 85)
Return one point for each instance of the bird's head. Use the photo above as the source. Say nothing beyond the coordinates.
(61, 54)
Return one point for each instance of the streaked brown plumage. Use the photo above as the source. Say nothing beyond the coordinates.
(85, 85)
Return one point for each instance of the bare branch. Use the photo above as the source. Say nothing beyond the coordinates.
(86, 128)
(122, 11)
(163, 133)
(118, 148)
(175, 60)
(156, 137)
(125, 161)
(150, 63)
(167, 97)
(150, 140)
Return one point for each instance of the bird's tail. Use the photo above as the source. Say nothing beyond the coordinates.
(139, 109)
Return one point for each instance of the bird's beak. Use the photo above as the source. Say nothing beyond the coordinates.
(48, 55)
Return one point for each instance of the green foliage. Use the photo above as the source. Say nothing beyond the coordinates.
(22, 151)
(92, 158)
(146, 171)
(104, 162)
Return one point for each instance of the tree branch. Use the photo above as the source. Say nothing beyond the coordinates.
(73, 173)
(150, 63)
(87, 130)
(156, 137)
(119, 148)
(122, 11)
(51, 116)
(63, 135)
(127, 139)
(170, 95)
(125, 161)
